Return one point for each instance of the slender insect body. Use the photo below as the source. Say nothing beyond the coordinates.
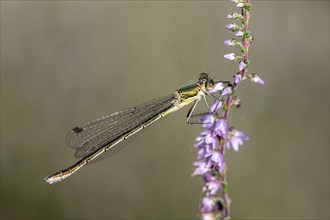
(103, 137)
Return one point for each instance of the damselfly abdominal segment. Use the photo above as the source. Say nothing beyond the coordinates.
(103, 137)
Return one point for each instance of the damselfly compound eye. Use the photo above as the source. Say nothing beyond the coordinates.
(210, 84)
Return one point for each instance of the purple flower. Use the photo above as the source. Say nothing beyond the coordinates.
(207, 120)
(230, 42)
(215, 106)
(204, 152)
(212, 187)
(206, 137)
(237, 77)
(208, 177)
(205, 143)
(235, 139)
(242, 65)
(207, 204)
(202, 167)
(226, 91)
(232, 27)
(218, 87)
(220, 128)
(218, 160)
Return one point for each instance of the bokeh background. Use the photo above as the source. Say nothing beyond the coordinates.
(65, 62)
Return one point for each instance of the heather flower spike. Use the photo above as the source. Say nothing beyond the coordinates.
(218, 134)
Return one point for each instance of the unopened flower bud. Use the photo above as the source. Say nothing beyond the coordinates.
(232, 27)
(237, 78)
(230, 56)
(230, 42)
(240, 5)
(234, 15)
(239, 33)
(255, 78)
(236, 1)
(242, 66)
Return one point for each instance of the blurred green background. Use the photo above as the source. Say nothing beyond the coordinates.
(65, 62)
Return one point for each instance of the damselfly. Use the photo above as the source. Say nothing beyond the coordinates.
(103, 137)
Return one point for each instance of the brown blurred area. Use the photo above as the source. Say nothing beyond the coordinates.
(65, 62)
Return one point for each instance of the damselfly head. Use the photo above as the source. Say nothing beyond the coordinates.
(207, 81)
(203, 77)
